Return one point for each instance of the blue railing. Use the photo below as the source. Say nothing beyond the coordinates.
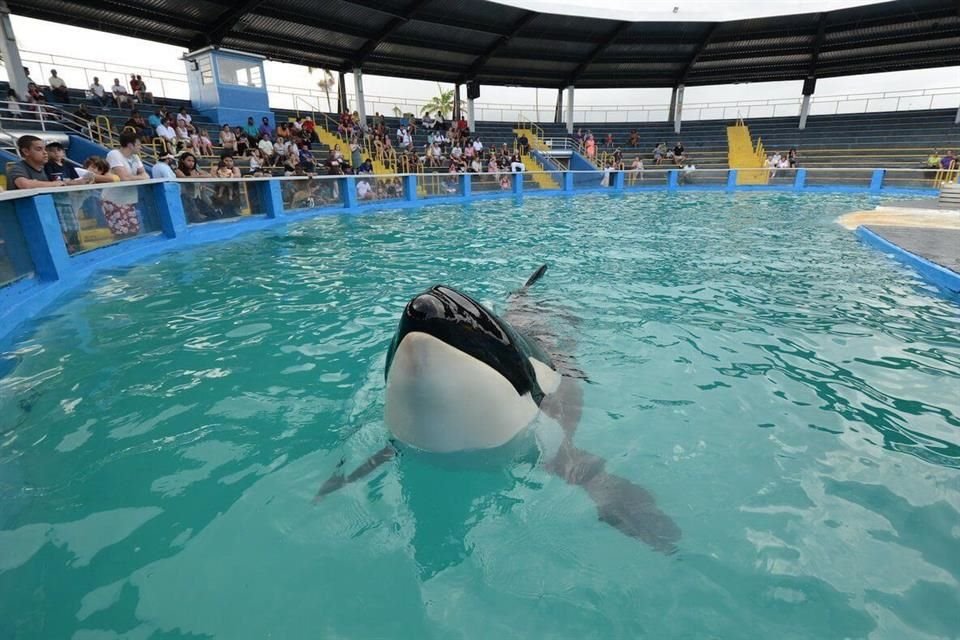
(52, 240)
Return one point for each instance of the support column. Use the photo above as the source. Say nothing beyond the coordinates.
(271, 198)
(809, 85)
(518, 183)
(456, 102)
(173, 220)
(956, 120)
(44, 239)
(358, 87)
(410, 187)
(678, 109)
(349, 186)
(11, 53)
(731, 180)
(342, 92)
(470, 120)
(558, 110)
(570, 109)
(673, 105)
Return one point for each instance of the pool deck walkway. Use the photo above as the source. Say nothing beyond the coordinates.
(919, 233)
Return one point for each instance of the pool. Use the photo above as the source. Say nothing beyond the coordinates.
(790, 396)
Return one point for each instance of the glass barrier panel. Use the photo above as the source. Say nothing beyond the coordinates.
(644, 177)
(691, 176)
(312, 193)
(433, 184)
(220, 200)
(490, 182)
(380, 189)
(916, 178)
(588, 179)
(834, 177)
(15, 261)
(782, 176)
(93, 218)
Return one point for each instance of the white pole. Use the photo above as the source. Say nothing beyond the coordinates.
(570, 109)
(679, 112)
(358, 86)
(470, 121)
(804, 111)
(11, 53)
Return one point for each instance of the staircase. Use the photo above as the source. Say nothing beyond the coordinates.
(742, 156)
(542, 179)
(92, 236)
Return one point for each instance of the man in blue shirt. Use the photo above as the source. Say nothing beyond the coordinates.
(164, 168)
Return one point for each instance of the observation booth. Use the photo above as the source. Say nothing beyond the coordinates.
(228, 86)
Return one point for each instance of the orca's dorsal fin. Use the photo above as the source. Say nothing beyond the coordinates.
(542, 269)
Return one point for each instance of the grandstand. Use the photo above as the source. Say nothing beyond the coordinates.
(891, 140)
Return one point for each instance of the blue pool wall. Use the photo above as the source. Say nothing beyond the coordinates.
(930, 271)
(55, 272)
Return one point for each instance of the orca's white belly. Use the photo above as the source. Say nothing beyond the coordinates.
(442, 399)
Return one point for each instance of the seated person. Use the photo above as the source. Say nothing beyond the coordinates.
(58, 88)
(933, 160)
(948, 161)
(120, 95)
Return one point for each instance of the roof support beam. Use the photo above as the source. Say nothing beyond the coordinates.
(818, 44)
(395, 23)
(499, 43)
(229, 19)
(696, 54)
(599, 49)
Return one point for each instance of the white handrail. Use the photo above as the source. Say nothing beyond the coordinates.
(24, 193)
(173, 84)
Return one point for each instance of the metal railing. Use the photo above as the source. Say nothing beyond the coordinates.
(79, 73)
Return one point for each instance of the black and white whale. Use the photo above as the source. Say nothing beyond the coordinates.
(460, 378)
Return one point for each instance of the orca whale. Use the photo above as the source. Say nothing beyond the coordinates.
(460, 378)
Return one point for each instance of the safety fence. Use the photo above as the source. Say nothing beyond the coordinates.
(58, 234)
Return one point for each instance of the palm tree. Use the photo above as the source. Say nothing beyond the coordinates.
(326, 84)
(442, 102)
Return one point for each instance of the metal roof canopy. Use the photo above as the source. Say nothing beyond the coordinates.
(494, 44)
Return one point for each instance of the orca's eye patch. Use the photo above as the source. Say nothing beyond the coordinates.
(427, 307)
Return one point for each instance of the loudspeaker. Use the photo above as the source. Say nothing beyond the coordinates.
(473, 90)
(809, 84)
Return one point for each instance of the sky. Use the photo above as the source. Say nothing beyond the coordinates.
(78, 54)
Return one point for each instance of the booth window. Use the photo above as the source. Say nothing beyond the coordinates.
(240, 72)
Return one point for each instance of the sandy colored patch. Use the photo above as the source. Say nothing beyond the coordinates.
(897, 217)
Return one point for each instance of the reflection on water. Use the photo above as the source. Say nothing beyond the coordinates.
(790, 397)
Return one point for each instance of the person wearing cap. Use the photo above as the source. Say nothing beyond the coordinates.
(164, 168)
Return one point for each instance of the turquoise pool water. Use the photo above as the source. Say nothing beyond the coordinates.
(790, 396)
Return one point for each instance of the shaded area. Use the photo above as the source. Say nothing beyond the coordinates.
(495, 44)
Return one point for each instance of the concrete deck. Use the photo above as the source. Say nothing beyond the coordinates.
(926, 238)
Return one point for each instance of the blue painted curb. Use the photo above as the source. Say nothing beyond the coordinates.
(930, 271)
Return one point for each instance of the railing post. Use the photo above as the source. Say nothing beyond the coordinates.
(800, 180)
(731, 180)
(173, 219)
(466, 185)
(568, 181)
(518, 183)
(410, 187)
(349, 192)
(271, 198)
(673, 179)
(44, 239)
(876, 182)
(618, 180)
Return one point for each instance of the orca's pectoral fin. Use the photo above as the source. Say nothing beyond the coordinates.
(338, 480)
(620, 503)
